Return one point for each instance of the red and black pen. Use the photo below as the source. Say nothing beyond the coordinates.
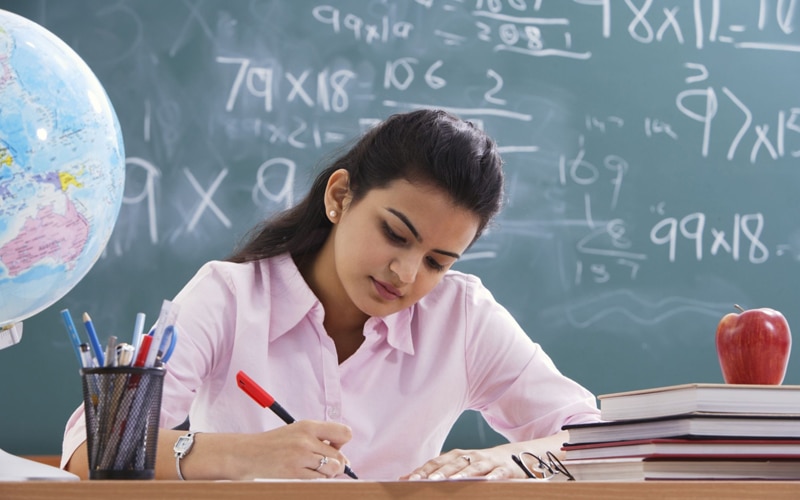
(264, 398)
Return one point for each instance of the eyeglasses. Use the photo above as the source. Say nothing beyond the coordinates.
(542, 470)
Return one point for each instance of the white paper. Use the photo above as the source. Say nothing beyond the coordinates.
(14, 468)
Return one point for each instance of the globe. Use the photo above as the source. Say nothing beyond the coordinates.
(62, 168)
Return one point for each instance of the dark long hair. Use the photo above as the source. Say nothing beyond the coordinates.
(424, 146)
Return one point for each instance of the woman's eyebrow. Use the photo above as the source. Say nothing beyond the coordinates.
(402, 217)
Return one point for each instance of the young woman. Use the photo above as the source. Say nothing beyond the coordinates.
(345, 309)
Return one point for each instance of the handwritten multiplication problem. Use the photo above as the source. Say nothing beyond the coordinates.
(742, 241)
(381, 30)
(328, 89)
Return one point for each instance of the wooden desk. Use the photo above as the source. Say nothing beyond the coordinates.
(348, 490)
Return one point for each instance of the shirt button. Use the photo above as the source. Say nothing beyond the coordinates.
(333, 412)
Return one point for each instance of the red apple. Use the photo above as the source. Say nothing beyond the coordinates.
(753, 346)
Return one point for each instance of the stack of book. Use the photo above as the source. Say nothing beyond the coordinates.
(690, 431)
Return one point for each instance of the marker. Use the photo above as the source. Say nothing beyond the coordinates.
(73, 334)
(264, 398)
(87, 322)
(141, 355)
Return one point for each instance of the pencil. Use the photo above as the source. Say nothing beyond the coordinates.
(98, 350)
(73, 334)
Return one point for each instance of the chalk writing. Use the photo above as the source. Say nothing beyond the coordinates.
(379, 32)
(692, 227)
(331, 92)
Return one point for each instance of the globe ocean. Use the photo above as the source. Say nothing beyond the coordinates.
(62, 168)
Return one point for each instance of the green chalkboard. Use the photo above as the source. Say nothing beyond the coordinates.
(652, 154)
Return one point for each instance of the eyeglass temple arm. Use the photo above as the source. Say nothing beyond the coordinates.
(517, 460)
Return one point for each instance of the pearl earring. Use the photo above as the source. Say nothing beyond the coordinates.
(332, 213)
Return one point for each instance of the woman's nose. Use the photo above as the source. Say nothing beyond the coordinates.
(405, 268)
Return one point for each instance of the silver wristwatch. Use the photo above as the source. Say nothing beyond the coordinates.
(182, 448)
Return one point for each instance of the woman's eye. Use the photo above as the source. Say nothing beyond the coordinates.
(392, 235)
(433, 264)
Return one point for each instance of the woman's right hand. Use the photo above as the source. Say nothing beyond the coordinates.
(294, 451)
(306, 449)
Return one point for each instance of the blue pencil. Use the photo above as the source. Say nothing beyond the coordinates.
(73, 334)
(98, 349)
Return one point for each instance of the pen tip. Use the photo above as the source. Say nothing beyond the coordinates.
(86, 317)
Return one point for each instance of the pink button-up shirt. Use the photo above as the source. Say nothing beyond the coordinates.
(400, 392)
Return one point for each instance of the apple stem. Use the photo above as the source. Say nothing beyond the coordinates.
(737, 306)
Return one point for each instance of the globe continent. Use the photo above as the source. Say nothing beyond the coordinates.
(62, 168)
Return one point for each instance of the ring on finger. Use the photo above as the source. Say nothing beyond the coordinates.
(322, 462)
(467, 458)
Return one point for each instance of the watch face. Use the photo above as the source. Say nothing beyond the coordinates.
(183, 444)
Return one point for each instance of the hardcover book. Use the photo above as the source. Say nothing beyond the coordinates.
(674, 448)
(686, 426)
(697, 398)
(641, 469)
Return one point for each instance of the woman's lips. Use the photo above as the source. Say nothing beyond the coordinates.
(385, 290)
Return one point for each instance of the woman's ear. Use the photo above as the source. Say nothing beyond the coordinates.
(337, 194)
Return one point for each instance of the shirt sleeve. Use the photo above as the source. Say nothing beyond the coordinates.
(514, 383)
(207, 312)
(74, 435)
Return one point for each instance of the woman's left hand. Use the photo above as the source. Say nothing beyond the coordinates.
(491, 463)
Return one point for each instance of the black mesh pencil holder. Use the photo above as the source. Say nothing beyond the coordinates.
(122, 406)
